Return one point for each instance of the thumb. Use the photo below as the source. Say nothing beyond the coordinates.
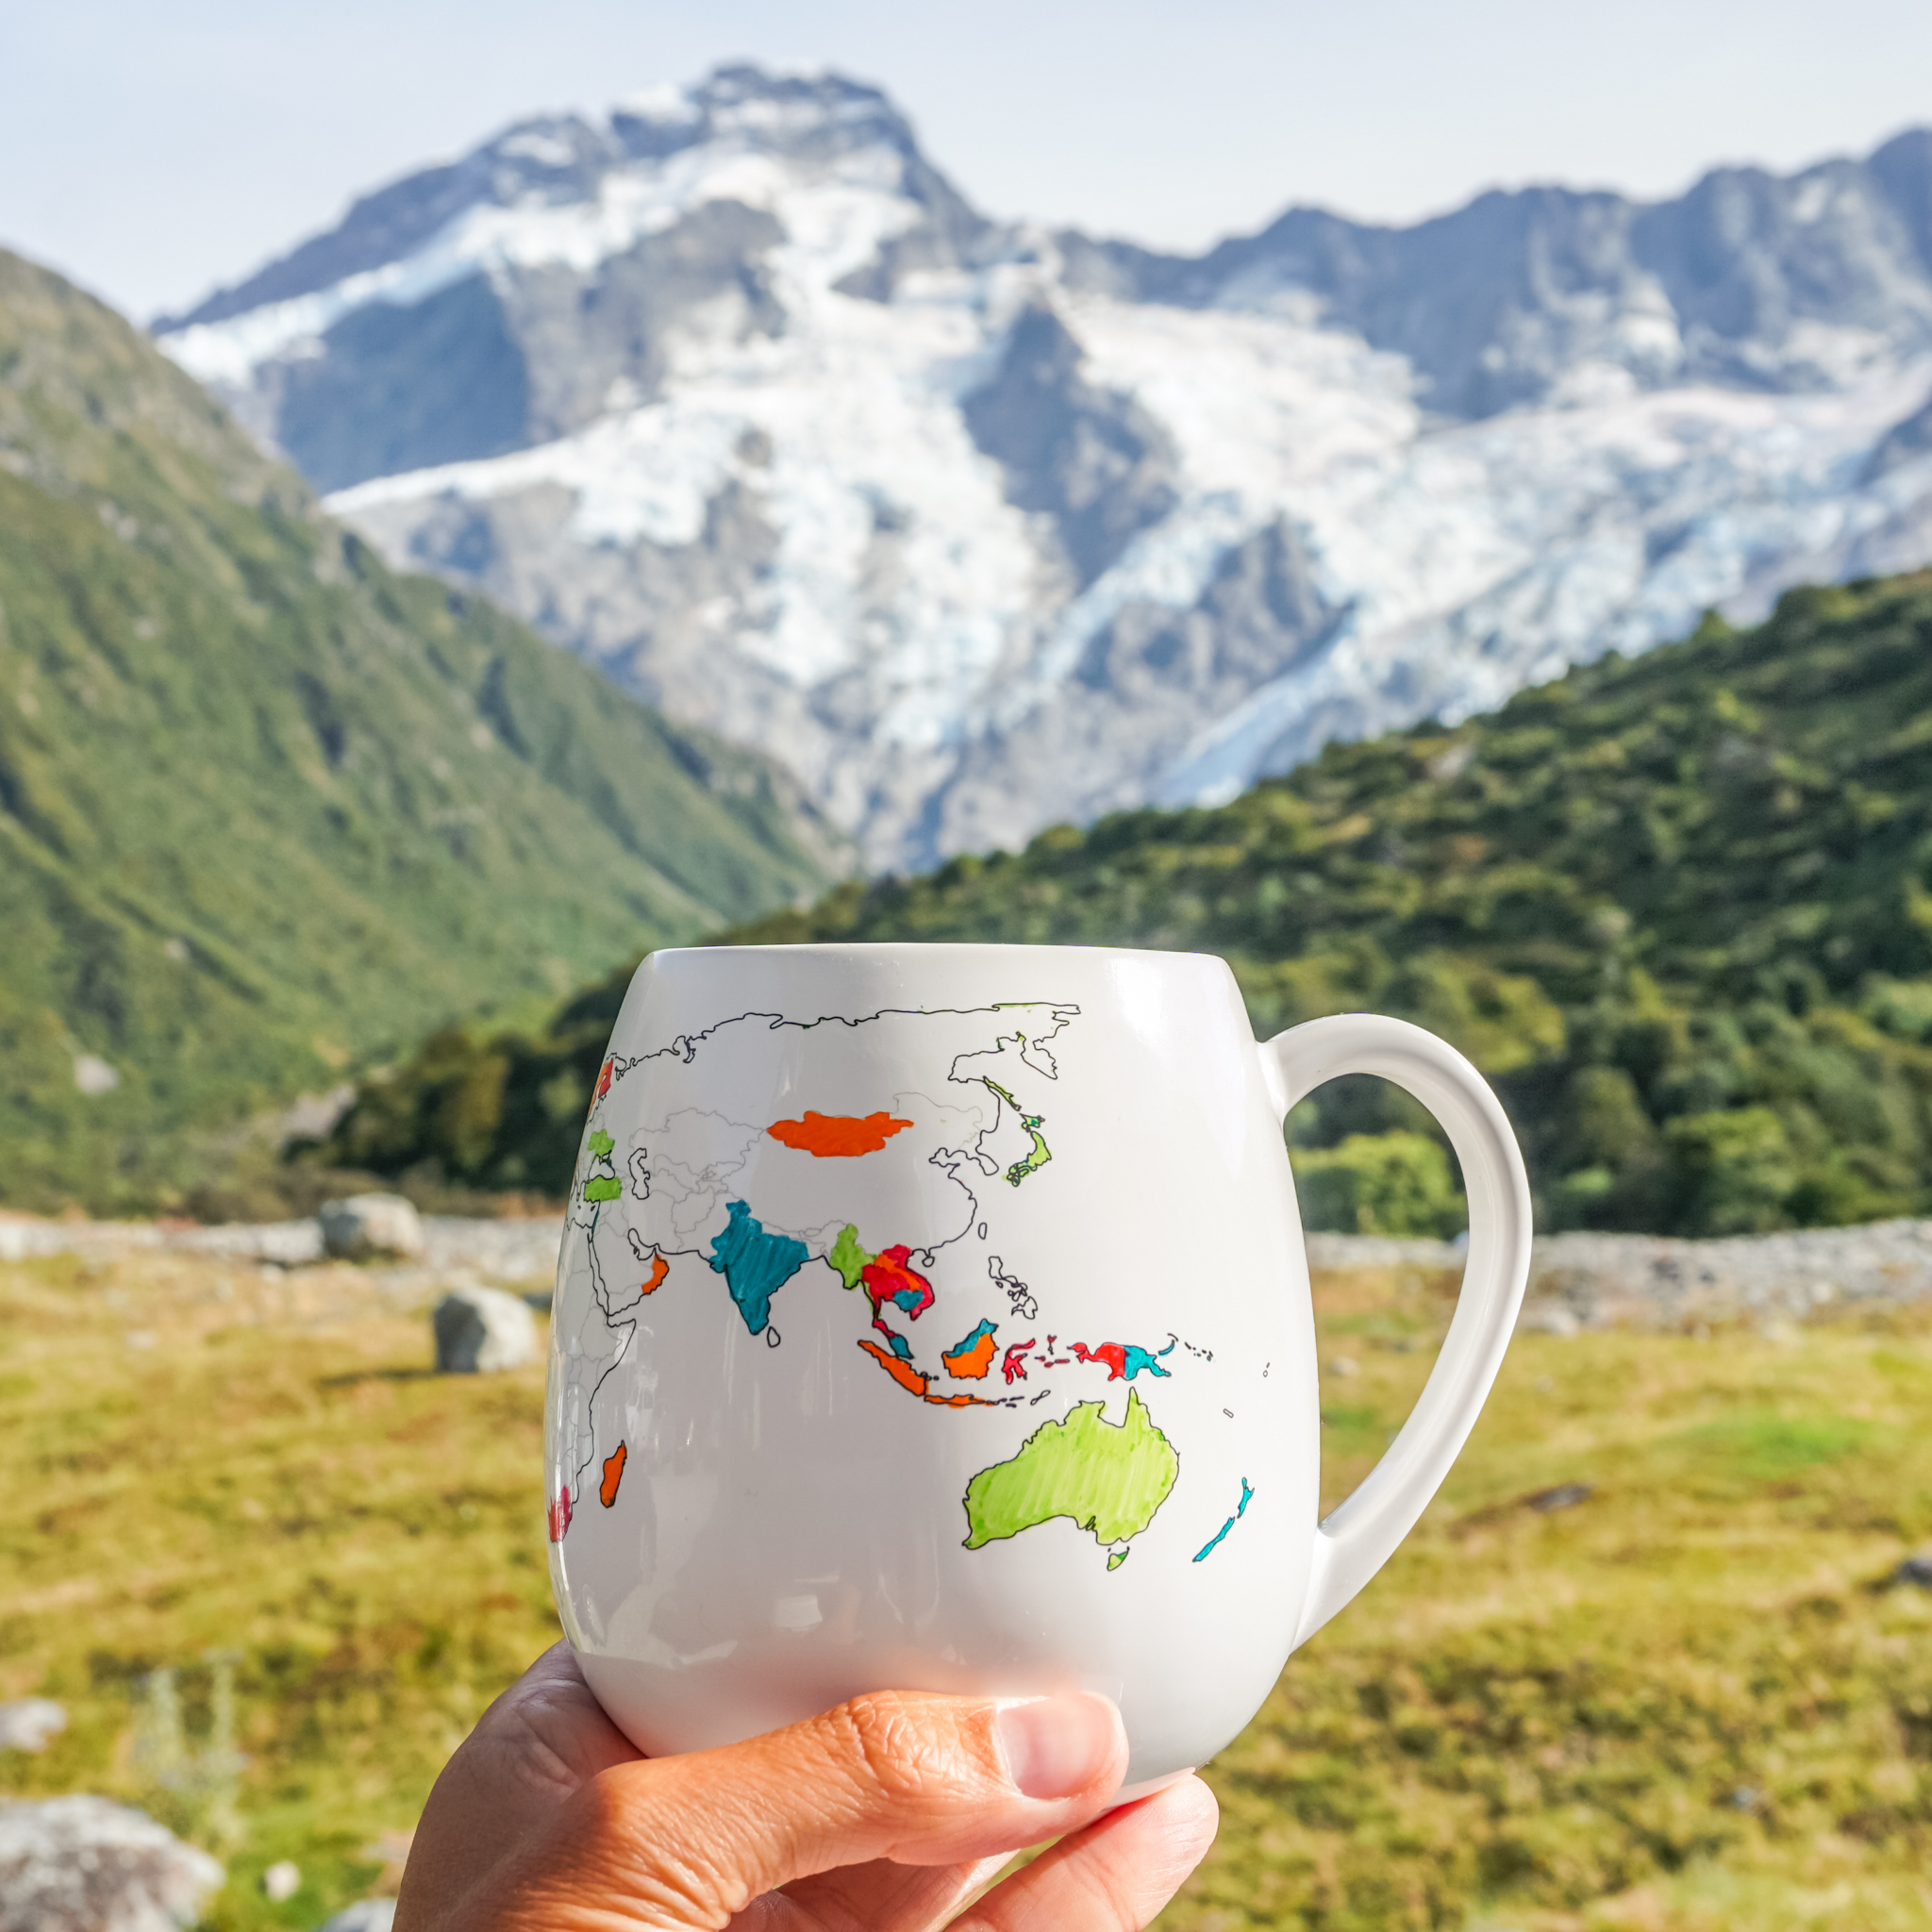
(921, 1780)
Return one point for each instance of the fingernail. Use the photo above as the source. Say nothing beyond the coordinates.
(1055, 1746)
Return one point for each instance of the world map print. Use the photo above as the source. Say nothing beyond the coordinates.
(767, 1210)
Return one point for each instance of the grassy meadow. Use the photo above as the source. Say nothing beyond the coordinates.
(1690, 1701)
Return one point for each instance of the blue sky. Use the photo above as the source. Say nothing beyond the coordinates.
(152, 151)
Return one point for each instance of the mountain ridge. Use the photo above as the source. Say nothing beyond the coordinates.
(1565, 241)
(1308, 245)
(733, 393)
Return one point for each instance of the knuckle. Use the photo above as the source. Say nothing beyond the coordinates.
(901, 1749)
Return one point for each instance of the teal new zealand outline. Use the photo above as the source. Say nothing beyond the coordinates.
(1240, 1510)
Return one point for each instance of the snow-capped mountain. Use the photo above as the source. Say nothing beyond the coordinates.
(980, 526)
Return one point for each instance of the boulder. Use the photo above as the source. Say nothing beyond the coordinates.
(26, 1726)
(81, 1864)
(482, 1330)
(1564, 1496)
(367, 1225)
(1916, 1570)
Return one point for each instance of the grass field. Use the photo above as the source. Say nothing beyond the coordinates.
(1692, 1700)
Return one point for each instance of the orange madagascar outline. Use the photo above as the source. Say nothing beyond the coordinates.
(835, 1135)
(613, 1474)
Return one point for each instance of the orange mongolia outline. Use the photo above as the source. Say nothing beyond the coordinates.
(838, 1135)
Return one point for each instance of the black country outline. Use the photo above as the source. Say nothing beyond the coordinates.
(684, 1049)
(628, 1330)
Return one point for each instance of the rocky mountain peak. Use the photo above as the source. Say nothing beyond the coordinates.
(978, 526)
(807, 115)
(809, 123)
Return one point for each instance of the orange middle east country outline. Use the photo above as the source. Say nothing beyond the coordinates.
(838, 1135)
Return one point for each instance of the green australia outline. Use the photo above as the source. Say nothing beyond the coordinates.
(1109, 1477)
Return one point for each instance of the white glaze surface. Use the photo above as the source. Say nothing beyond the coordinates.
(789, 1523)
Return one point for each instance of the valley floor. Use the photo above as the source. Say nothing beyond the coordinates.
(1690, 1698)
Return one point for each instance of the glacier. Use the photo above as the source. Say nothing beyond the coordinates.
(979, 526)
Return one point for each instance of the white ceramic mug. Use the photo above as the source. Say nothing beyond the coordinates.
(936, 1316)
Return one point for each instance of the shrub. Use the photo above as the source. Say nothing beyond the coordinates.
(1387, 1183)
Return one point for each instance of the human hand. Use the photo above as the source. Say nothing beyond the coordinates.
(885, 1815)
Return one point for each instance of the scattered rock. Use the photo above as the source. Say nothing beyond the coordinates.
(479, 1330)
(367, 1225)
(496, 1249)
(1342, 1252)
(1345, 1366)
(1547, 1318)
(1642, 1281)
(27, 1724)
(281, 1881)
(80, 1864)
(1564, 1496)
(365, 1915)
(1915, 1570)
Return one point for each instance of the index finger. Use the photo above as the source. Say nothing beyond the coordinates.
(1114, 1876)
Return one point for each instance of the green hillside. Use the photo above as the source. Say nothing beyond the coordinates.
(1679, 910)
(267, 807)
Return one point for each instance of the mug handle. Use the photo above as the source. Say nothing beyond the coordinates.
(1360, 1535)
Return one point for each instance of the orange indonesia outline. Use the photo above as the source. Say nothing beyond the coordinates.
(827, 1135)
(974, 1357)
(916, 1383)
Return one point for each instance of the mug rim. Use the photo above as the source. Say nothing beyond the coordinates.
(842, 948)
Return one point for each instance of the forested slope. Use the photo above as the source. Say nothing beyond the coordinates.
(266, 806)
(1679, 909)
